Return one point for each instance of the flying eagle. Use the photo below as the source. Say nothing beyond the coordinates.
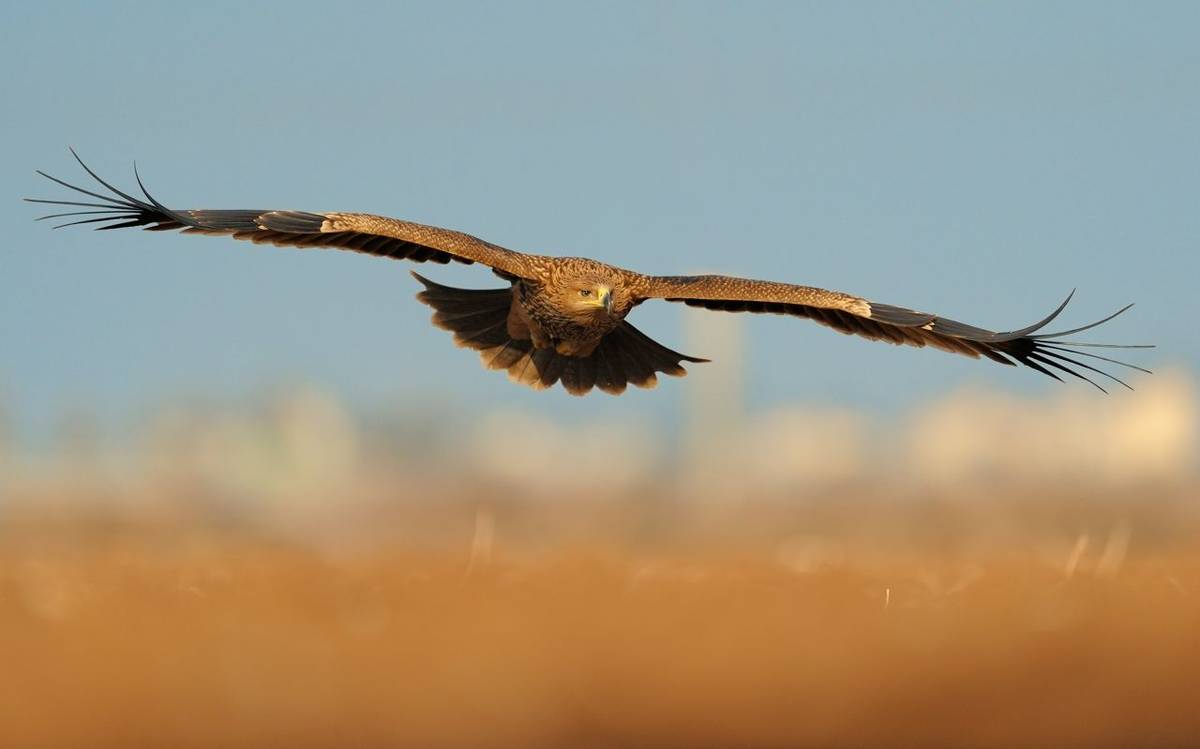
(562, 319)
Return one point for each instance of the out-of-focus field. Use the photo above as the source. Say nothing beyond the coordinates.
(990, 573)
(463, 621)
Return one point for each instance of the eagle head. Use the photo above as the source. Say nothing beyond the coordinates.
(591, 297)
(589, 292)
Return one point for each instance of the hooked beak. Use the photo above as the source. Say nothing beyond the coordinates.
(606, 299)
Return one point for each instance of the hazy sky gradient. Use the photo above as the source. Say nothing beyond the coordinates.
(968, 159)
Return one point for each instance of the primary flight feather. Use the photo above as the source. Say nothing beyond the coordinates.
(562, 319)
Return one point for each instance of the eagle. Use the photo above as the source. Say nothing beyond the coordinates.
(563, 319)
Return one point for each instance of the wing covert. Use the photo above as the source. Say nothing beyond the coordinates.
(1044, 352)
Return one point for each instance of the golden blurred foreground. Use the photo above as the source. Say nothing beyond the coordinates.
(459, 620)
(986, 571)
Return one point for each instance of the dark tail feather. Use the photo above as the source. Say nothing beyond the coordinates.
(479, 320)
(610, 370)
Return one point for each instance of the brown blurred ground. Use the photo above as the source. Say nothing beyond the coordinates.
(467, 620)
(986, 571)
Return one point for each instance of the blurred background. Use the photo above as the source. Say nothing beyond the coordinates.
(252, 497)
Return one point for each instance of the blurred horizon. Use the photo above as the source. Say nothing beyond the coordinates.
(296, 438)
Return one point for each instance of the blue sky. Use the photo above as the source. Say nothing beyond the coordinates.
(976, 160)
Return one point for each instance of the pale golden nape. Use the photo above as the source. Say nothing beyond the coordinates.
(563, 319)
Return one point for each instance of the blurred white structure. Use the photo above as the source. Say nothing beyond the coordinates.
(304, 446)
(797, 446)
(513, 447)
(792, 446)
(1075, 435)
(713, 406)
(318, 439)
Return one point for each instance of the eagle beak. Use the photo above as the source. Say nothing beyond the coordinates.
(606, 299)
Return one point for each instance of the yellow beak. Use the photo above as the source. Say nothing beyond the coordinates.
(605, 299)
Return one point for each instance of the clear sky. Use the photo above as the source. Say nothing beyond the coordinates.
(976, 160)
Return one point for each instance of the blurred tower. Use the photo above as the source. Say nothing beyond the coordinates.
(6, 447)
(78, 446)
(317, 443)
(714, 414)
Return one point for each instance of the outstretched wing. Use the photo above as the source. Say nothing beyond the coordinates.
(361, 232)
(1045, 352)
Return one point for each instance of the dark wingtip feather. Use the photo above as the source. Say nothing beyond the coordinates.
(1048, 349)
(76, 213)
(1026, 331)
(122, 209)
(1042, 352)
(1034, 365)
(1081, 328)
(132, 200)
(1106, 345)
(1051, 363)
(146, 192)
(1062, 357)
(108, 200)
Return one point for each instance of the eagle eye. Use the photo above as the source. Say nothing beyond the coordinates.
(585, 292)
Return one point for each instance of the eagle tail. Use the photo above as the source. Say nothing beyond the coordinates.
(478, 318)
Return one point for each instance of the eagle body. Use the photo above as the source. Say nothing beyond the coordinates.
(571, 305)
(563, 319)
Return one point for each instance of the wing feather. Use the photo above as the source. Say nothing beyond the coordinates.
(359, 232)
(1043, 352)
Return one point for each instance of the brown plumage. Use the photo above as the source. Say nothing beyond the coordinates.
(563, 319)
